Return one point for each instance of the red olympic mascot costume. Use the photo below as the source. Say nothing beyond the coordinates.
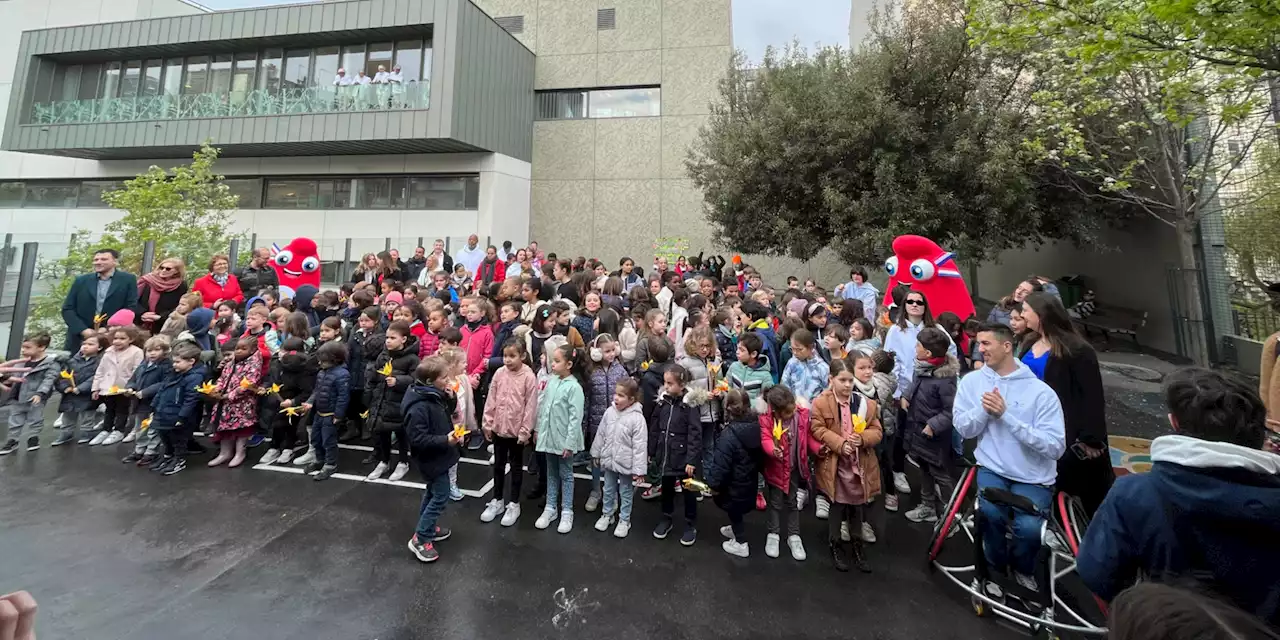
(296, 264)
(924, 266)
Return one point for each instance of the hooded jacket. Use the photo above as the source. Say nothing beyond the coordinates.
(302, 302)
(770, 349)
(477, 342)
(604, 381)
(384, 402)
(39, 380)
(82, 369)
(512, 407)
(198, 322)
(621, 442)
(735, 462)
(1025, 442)
(296, 375)
(1207, 510)
(332, 392)
(560, 416)
(176, 401)
(427, 415)
(902, 343)
(777, 471)
(752, 380)
(114, 369)
(146, 380)
(675, 433)
(931, 398)
(700, 374)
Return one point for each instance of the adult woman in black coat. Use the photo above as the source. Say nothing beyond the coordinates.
(1069, 365)
(159, 293)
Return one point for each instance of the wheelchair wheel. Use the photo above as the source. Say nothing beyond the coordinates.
(1074, 521)
(952, 514)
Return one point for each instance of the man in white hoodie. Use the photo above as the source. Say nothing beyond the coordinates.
(1018, 422)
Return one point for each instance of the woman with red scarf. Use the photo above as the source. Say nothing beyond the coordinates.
(159, 293)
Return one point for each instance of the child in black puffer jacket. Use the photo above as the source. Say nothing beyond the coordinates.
(733, 468)
(675, 439)
(295, 373)
(385, 391)
(145, 383)
(77, 407)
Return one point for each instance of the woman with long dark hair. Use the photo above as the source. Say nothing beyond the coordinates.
(1069, 365)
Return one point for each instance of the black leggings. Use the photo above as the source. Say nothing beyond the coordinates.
(175, 441)
(116, 417)
(899, 445)
(382, 445)
(855, 515)
(736, 523)
(507, 450)
(284, 434)
(669, 500)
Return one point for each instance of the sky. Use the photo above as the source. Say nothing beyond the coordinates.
(756, 23)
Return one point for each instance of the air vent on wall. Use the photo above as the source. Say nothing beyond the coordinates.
(606, 19)
(513, 24)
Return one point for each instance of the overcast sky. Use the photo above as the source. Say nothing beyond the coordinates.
(756, 23)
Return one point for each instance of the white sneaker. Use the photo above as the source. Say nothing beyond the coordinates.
(823, 507)
(868, 534)
(797, 548)
(305, 459)
(1026, 582)
(491, 511)
(802, 496)
(133, 435)
(57, 424)
(891, 504)
(566, 522)
(270, 457)
(844, 532)
(99, 439)
(900, 482)
(113, 439)
(623, 528)
(285, 456)
(922, 513)
(593, 502)
(727, 531)
(548, 516)
(603, 522)
(401, 470)
(771, 543)
(511, 514)
(378, 471)
(735, 548)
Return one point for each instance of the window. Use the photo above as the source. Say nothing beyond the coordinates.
(196, 79)
(66, 82)
(11, 194)
(328, 197)
(449, 194)
(399, 192)
(599, 103)
(50, 195)
(326, 66)
(91, 192)
(373, 193)
(297, 64)
(606, 19)
(129, 83)
(1233, 147)
(353, 60)
(291, 194)
(90, 79)
(242, 79)
(269, 71)
(111, 82)
(173, 76)
(513, 24)
(220, 74)
(379, 56)
(249, 190)
(151, 78)
(342, 194)
(409, 57)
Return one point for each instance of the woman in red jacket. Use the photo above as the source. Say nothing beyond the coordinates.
(220, 284)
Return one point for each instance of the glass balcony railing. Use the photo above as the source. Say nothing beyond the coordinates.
(369, 97)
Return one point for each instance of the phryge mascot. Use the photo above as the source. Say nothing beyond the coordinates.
(921, 264)
(296, 264)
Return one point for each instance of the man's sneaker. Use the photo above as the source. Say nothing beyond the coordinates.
(326, 472)
(823, 507)
(113, 438)
(312, 468)
(160, 463)
(771, 544)
(455, 493)
(735, 548)
(65, 438)
(147, 460)
(270, 457)
(424, 551)
(306, 459)
(491, 511)
(132, 435)
(603, 522)
(761, 504)
(652, 493)
(922, 513)
(9, 447)
(132, 458)
(1026, 582)
(623, 528)
(548, 516)
(285, 456)
(442, 534)
(511, 515)
(663, 529)
(689, 536)
(175, 467)
(400, 472)
(593, 501)
(566, 522)
(255, 440)
(844, 531)
(891, 503)
(802, 497)
(378, 471)
(868, 534)
(33, 443)
(797, 548)
(900, 482)
(99, 439)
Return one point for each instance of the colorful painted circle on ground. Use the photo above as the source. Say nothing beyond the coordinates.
(1130, 455)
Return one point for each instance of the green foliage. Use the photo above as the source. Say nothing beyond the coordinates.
(1253, 226)
(186, 210)
(917, 132)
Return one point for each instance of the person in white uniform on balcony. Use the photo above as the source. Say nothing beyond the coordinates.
(395, 77)
(342, 79)
(361, 78)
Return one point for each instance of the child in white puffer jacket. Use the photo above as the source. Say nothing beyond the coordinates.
(621, 450)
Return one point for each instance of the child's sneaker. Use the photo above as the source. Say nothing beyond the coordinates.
(270, 457)
(735, 548)
(132, 458)
(689, 536)
(771, 544)
(548, 516)
(285, 456)
(147, 460)
(1026, 582)
(33, 443)
(623, 528)
(900, 482)
(424, 551)
(455, 494)
(566, 522)
(160, 463)
(305, 460)
(652, 493)
(664, 528)
(593, 501)
(891, 503)
(491, 511)
(99, 439)
(727, 531)
(133, 435)
(311, 468)
(378, 471)
(65, 438)
(511, 515)
(802, 496)
(442, 534)
(922, 513)
(86, 438)
(401, 471)
(868, 534)
(822, 507)
(9, 447)
(797, 548)
(603, 522)
(844, 532)
(326, 472)
(113, 438)
(175, 467)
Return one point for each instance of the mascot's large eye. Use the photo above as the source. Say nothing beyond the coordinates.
(922, 270)
(891, 266)
(310, 264)
(284, 258)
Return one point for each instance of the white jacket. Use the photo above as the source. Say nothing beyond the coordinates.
(1025, 442)
(902, 344)
(622, 441)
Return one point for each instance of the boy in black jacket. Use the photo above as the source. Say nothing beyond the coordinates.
(144, 383)
(175, 407)
(329, 400)
(295, 373)
(733, 468)
(390, 377)
(428, 413)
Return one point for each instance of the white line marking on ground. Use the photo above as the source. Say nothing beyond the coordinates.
(470, 493)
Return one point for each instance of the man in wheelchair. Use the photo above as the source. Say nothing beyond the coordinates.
(1018, 422)
(1209, 509)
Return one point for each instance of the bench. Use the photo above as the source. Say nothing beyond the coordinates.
(1108, 319)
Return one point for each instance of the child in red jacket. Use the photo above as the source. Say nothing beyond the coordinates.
(787, 444)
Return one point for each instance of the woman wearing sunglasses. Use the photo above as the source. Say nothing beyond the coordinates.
(159, 293)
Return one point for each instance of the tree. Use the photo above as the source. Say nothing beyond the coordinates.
(917, 132)
(186, 210)
(1252, 227)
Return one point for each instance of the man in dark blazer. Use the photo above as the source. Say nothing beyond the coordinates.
(98, 295)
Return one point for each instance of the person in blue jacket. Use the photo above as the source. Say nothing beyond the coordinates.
(1208, 512)
(175, 407)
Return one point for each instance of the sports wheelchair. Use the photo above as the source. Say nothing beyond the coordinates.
(1058, 605)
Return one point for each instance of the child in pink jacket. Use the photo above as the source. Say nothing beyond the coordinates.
(787, 445)
(114, 371)
(509, 417)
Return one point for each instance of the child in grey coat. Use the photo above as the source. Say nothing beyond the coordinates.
(27, 397)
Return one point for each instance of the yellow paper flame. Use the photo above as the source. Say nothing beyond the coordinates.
(386, 369)
(859, 425)
(364, 414)
(245, 383)
(206, 388)
(114, 390)
(99, 319)
(778, 431)
(460, 430)
(69, 376)
(722, 385)
(455, 386)
(291, 411)
(644, 366)
(275, 388)
(146, 423)
(692, 484)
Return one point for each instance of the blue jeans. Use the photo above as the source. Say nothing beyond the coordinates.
(434, 499)
(559, 482)
(324, 440)
(1026, 527)
(618, 488)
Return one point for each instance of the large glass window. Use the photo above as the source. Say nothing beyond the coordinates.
(269, 70)
(151, 78)
(353, 59)
(326, 198)
(242, 81)
(399, 192)
(326, 66)
(111, 81)
(379, 56)
(249, 190)
(374, 193)
(297, 65)
(599, 103)
(220, 74)
(196, 79)
(129, 83)
(291, 194)
(66, 82)
(51, 195)
(11, 194)
(342, 188)
(437, 193)
(173, 76)
(409, 57)
(90, 81)
(561, 105)
(91, 192)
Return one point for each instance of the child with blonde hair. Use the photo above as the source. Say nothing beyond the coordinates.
(176, 323)
(464, 411)
(109, 382)
(144, 384)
